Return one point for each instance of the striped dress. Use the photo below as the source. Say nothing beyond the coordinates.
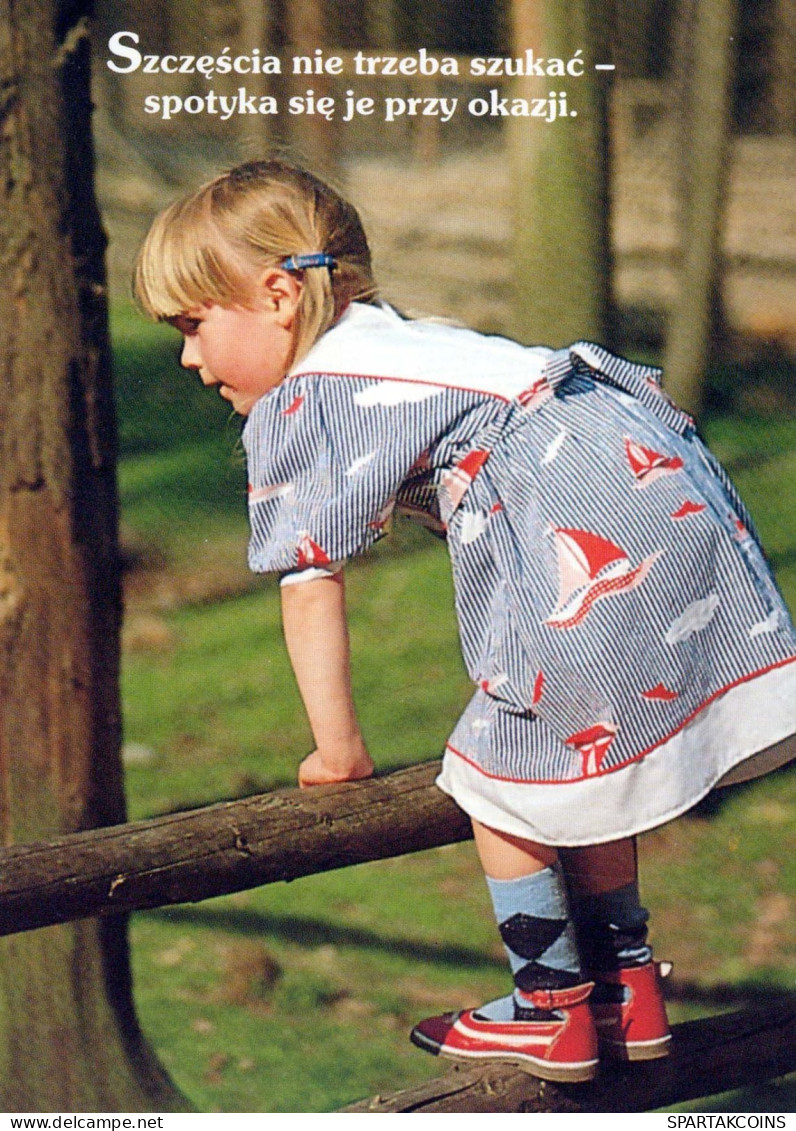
(628, 644)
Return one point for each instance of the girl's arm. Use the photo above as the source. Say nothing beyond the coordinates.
(316, 633)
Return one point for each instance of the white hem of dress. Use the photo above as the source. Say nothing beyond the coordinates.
(747, 720)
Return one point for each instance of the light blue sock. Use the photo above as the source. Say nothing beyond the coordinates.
(534, 923)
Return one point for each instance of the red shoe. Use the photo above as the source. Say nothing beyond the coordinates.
(562, 1047)
(632, 1026)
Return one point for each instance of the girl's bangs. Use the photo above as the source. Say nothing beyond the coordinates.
(184, 263)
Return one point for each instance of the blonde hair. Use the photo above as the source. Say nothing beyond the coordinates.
(212, 245)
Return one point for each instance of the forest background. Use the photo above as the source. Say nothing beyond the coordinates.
(299, 997)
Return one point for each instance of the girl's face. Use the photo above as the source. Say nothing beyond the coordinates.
(244, 352)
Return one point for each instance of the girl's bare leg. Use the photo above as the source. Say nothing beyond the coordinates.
(599, 868)
(590, 870)
(507, 857)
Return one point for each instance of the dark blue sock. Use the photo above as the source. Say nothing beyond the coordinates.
(611, 929)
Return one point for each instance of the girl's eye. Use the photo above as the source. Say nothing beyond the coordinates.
(185, 324)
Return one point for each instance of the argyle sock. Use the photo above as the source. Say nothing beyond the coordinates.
(611, 929)
(534, 923)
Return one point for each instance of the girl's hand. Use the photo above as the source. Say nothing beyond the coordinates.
(315, 771)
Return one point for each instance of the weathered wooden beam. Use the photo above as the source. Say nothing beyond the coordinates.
(715, 1054)
(227, 847)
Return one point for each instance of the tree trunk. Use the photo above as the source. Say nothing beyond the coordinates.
(254, 31)
(315, 140)
(381, 24)
(68, 1034)
(696, 315)
(562, 262)
(783, 69)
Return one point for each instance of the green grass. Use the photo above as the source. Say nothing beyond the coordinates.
(316, 982)
(159, 407)
(215, 697)
(298, 997)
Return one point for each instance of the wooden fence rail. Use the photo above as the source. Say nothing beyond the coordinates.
(227, 847)
(713, 1055)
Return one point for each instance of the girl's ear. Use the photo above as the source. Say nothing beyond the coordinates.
(280, 291)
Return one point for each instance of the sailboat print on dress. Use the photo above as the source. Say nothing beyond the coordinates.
(536, 395)
(590, 567)
(294, 406)
(269, 491)
(310, 553)
(457, 480)
(660, 693)
(592, 745)
(647, 465)
(688, 508)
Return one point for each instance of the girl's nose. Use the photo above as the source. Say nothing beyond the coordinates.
(190, 357)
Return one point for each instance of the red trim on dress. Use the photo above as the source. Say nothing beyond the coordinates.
(405, 381)
(636, 757)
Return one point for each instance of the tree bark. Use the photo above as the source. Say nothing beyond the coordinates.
(254, 31)
(315, 139)
(696, 314)
(68, 1035)
(560, 178)
(783, 68)
(381, 24)
(226, 847)
(709, 1056)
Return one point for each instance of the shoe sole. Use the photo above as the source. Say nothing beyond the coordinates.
(579, 1073)
(636, 1050)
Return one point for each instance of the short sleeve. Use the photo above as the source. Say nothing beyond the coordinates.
(326, 456)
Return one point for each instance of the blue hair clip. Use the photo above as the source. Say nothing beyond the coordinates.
(313, 259)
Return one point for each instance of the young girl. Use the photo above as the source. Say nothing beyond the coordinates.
(629, 647)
